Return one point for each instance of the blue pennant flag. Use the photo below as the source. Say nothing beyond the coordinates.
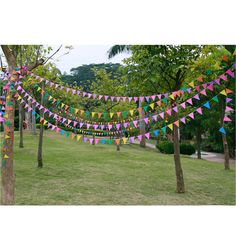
(207, 105)
(33, 113)
(222, 130)
(103, 141)
(155, 132)
(62, 132)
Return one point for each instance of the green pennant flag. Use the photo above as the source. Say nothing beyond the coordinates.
(8, 123)
(109, 141)
(37, 116)
(105, 115)
(58, 103)
(72, 109)
(125, 113)
(184, 89)
(68, 134)
(145, 108)
(35, 85)
(10, 103)
(215, 99)
(165, 100)
(46, 95)
(163, 129)
(87, 113)
(209, 72)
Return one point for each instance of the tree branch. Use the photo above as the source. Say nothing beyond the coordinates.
(52, 55)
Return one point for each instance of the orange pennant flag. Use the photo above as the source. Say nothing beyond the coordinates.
(200, 79)
(159, 103)
(177, 123)
(99, 115)
(228, 91)
(118, 114)
(117, 141)
(81, 112)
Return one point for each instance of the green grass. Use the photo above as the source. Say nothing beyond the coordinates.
(76, 173)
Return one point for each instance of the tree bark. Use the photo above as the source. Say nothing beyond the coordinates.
(178, 169)
(198, 139)
(21, 118)
(224, 139)
(142, 127)
(40, 146)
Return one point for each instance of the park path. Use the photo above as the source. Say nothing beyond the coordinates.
(208, 156)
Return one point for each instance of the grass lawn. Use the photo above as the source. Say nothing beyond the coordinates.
(76, 173)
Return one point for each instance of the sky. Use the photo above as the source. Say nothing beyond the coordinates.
(84, 54)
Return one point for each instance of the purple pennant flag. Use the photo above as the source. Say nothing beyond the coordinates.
(161, 115)
(75, 123)
(62, 87)
(50, 113)
(125, 125)
(96, 140)
(30, 109)
(109, 127)
(124, 99)
(147, 98)
(117, 99)
(81, 124)
(129, 99)
(94, 96)
(191, 115)
(231, 73)
(95, 126)
(117, 126)
(159, 96)
(147, 135)
(190, 101)
(196, 97)
(112, 98)
(100, 97)
(183, 120)
(88, 126)
(154, 117)
(78, 92)
(131, 139)
(84, 94)
(135, 99)
(56, 86)
(85, 139)
(140, 137)
(63, 120)
(73, 91)
(228, 100)
(47, 81)
(175, 109)
(166, 95)
(51, 84)
(153, 97)
(89, 95)
(19, 88)
(102, 127)
(217, 81)
(91, 141)
(146, 120)
(106, 97)
(135, 123)
(189, 90)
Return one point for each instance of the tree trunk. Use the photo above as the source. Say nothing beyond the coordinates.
(142, 127)
(8, 176)
(33, 122)
(93, 139)
(224, 139)
(178, 169)
(40, 147)
(21, 118)
(198, 139)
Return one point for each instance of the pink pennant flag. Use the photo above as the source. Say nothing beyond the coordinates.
(47, 81)
(109, 127)
(135, 99)
(41, 107)
(140, 137)
(199, 110)
(210, 87)
(147, 135)
(19, 88)
(175, 109)
(159, 96)
(95, 126)
(53, 127)
(135, 123)
(131, 139)
(161, 115)
(75, 123)
(102, 127)
(112, 98)
(124, 99)
(73, 91)
(203, 92)
(190, 101)
(141, 99)
(2, 119)
(197, 88)
(183, 120)
(217, 81)
(56, 85)
(30, 109)
(147, 98)
(153, 97)
(191, 115)
(183, 105)
(223, 77)
(88, 126)
(81, 124)
(204, 85)
(100, 97)
(45, 110)
(117, 126)
(228, 109)
(154, 117)
(51, 84)
(91, 141)
(69, 121)
(94, 96)
(196, 97)
(227, 119)
(96, 140)
(146, 120)
(78, 92)
(129, 99)
(231, 73)
(105, 98)
(63, 120)
(125, 125)
(169, 112)
(84, 94)
(117, 99)
(58, 130)
(89, 95)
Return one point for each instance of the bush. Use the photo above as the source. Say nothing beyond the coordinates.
(168, 148)
(39, 125)
(187, 149)
(210, 146)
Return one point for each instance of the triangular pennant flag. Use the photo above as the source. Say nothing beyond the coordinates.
(147, 135)
(172, 96)
(78, 137)
(228, 100)
(155, 132)
(215, 99)
(190, 101)
(191, 84)
(131, 112)
(228, 91)
(200, 79)
(223, 92)
(222, 130)
(124, 140)
(163, 129)
(203, 92)
(177, 123)
(117, 141)
(5, 156)
(227, 109)
(227, 119)
(207, 105)
(199, 110)
(191, 115)
(183, 105)
(93, 114)
(152, 105)
(170, 126)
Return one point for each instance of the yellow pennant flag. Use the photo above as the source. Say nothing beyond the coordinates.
(6, 116)
(172, 96)
(7, 137)
(50, 97)
(111, 114)
(131, 112)
(152, 105)
(8, 97)
(223, 92)
(5, 156)
(170, 126)
(124, 139)
(45, 122)
(19, 98)
(76, 111)
(38, 89)
(191, 84)
(93, 113)
(62, 105)
(78, 137)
